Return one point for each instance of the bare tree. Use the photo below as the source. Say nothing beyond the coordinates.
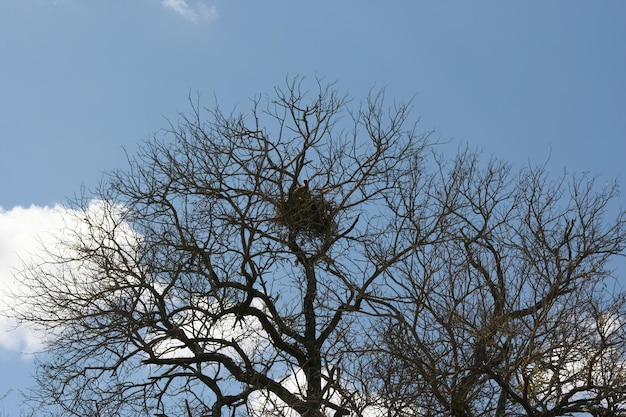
(226, 265)
(305, 259)
(509, 313)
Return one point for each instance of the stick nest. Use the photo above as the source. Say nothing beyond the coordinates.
(306, 213)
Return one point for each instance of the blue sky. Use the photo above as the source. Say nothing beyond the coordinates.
(80, 81)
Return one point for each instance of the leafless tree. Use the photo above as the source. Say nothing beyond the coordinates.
(227, 264)
(512, 311)
(316, 257)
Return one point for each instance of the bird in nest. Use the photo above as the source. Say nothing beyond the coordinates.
(301, 191)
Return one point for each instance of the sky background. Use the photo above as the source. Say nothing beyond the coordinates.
(82, 82)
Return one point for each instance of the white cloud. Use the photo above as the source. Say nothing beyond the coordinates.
(22, 231)
(200, 13)
(265, 404)
(29, 235)
(247, 332)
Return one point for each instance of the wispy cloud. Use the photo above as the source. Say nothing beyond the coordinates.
(195, 14)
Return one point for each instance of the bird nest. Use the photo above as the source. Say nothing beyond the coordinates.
(306, 213)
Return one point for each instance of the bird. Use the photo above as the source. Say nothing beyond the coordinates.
(300, 191)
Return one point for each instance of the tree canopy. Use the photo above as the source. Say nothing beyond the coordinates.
(321, 257)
